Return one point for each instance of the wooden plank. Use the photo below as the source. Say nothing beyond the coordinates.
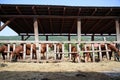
(78, 51)
(47, 51)
(70, 57)
(93, 56)
(6, 23)
(63, 55)
(39, 52)
(54, 51)
(31, 51)
(107, 53)
(100, 53)
(24, 51)
(54, 16)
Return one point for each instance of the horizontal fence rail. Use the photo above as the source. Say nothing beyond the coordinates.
(62, 52)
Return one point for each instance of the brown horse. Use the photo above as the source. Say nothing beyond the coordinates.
(115, 50)
(87, 55)
(103, 48)
(4, 50)
(17, 52)
(75, 55)
(112, 48)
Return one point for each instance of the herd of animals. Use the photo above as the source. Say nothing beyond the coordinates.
(17, 53)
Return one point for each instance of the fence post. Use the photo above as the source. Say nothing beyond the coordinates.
(107, 53)
(24, 51)
(55, 51)
(47, 51)
(78, 51)
(63, 52)
(8, 53)
(14, 44)
(31, 51)
(85, 52)
(100, 53)
(39, 52)
(93, 52)
(69, 51)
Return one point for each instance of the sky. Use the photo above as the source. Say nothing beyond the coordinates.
(8, 32)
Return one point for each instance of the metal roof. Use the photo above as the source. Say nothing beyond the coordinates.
(53, 19)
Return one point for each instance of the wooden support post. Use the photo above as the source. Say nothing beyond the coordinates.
(117, 29)
(63, 52)
(31, 51)
(93, 50)
(55, 51)
(79, 29)
(8, 53)
(100, 53)
(24, 51)
(47, 38)
(69, 51)
(68, 37)
(36, 38)
(92, 37)
(22, 38)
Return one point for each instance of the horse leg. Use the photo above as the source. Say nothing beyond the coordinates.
(110, 55)
(56, 56)
(3, 55)
(60, 56)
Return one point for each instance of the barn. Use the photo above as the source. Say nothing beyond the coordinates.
(50, 20)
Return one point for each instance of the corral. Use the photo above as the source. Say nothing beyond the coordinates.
(49, 20)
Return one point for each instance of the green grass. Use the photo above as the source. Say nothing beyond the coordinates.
(60, 38)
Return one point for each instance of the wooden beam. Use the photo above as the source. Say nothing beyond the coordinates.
(84, 25)
(117, 29)
(18, 10)
(2, 10)
(94, 12)
(107, 24)
(6, 23)
(54, 16)
(94, 26)
(109, 11)
(34, 11)
(79, 10)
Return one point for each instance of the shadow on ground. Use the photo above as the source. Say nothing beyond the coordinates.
(33, 75)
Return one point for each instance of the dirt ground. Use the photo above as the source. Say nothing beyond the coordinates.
(106, 70)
